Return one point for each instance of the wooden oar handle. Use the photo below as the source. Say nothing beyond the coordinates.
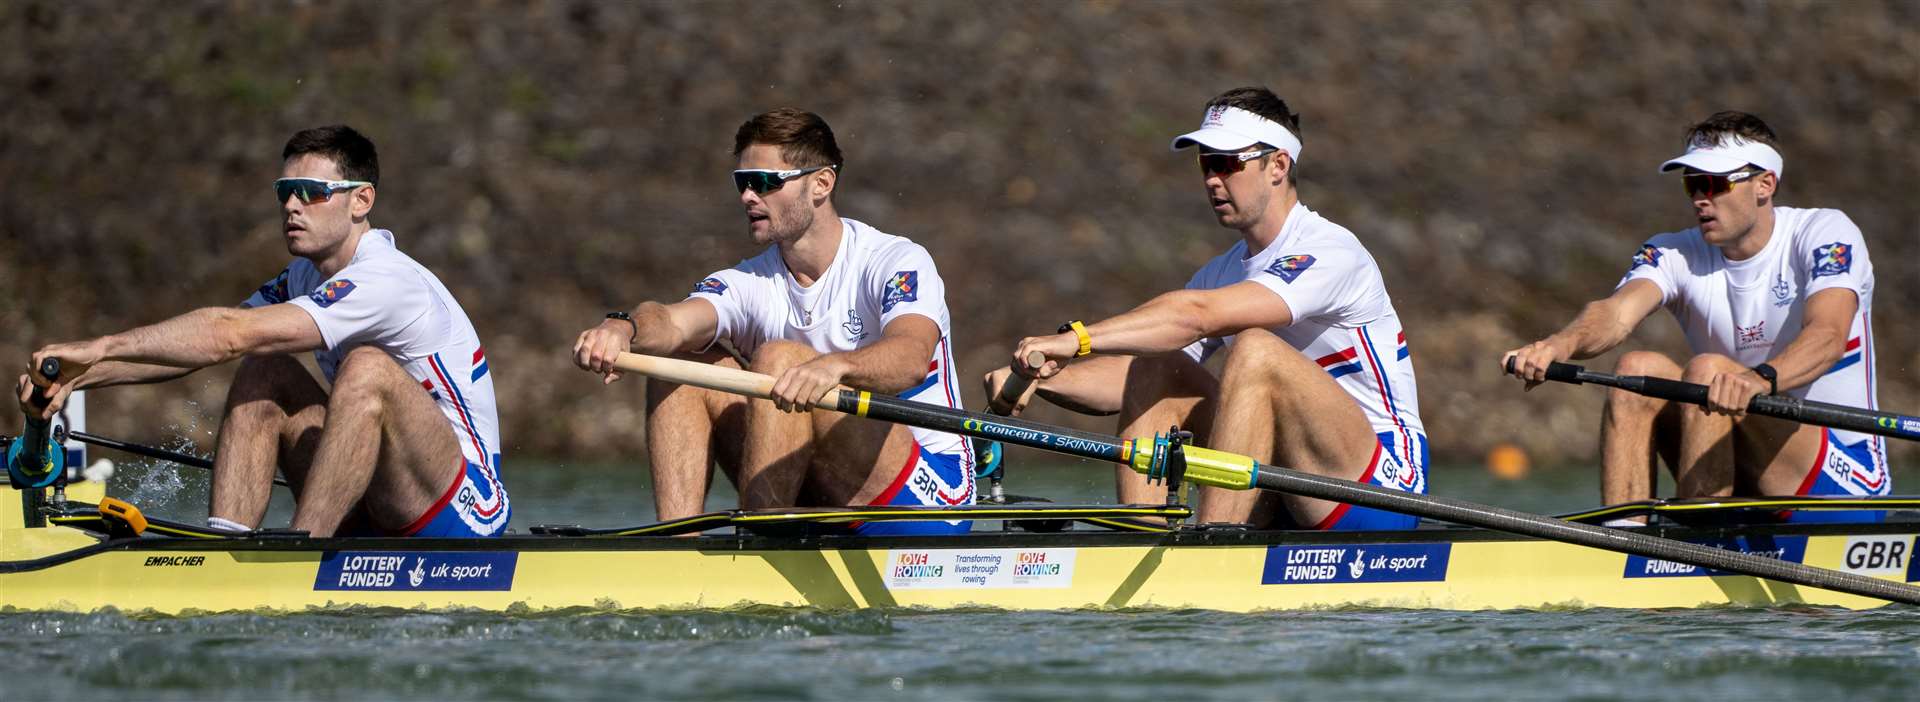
(1003, 402)
(711, 377)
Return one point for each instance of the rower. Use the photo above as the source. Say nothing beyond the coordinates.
(405, 441)
(1317, 375)
(831, 300)
(1773, 300)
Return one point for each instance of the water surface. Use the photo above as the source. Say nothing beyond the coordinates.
(771, 653)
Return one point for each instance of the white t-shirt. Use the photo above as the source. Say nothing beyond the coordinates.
(386, 300)
(874, 279)
(1342, 318)
(1751, 310)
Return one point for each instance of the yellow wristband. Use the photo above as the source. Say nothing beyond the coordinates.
(1086, 341)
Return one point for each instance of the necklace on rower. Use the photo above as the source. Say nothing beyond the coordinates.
(810, 299)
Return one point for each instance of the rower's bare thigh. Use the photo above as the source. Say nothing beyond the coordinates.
(670, 406)
(1773, 456)
(1318, 426)
(854, 458)
(1169, 389)
(277, 390)
(419, 454)
(1280, 406)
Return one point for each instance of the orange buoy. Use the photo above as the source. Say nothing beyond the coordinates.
(1508, 462)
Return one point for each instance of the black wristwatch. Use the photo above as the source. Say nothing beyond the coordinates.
(1773, 378)
(630, 322)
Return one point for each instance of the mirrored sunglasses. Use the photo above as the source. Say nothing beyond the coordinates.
(1229, 162)
(312, 190)
(1699, 185)
(763, 181)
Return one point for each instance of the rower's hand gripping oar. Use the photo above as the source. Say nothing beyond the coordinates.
(990, 457)
(36, 460)
(1227, 470)
(1865, 421)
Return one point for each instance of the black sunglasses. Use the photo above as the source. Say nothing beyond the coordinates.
(1229, 162)
(763, 181)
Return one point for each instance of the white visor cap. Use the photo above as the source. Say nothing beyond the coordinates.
(1729, 156)
(1232, 129)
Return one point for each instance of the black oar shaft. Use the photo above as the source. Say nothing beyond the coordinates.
(1620, 540)
(139, 450)
(1220, 469)
(1223, 469)
(151, 452)
(1824, 414)
(1009, 430)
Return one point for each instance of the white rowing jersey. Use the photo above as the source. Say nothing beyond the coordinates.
(1342, 319)
(385, 299)
(1751, 310)
(874, 279)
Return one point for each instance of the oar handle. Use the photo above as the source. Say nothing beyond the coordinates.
(1003, 402)
(49, 369)
(1786, 407)
(712, 377)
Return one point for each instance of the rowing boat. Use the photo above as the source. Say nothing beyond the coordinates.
(78, 549)
(1019, 557)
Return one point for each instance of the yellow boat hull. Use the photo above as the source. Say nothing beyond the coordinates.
(67, 569)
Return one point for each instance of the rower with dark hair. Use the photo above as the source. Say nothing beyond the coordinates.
(830, 300)
(1317, 375)
(403, 441)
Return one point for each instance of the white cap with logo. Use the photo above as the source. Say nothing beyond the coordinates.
(1232, 129)
(1731, 154)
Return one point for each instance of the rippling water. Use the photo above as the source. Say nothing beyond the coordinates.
(799, 654)
(1774, 653)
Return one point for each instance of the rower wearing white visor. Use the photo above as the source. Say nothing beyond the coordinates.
(829, 300)
(1772, 300)
(1317, 374)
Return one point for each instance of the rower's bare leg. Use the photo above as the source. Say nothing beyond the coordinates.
(385, 445)
(1636, 431)
(1278, 405)
(855, 459)
(688, 430)
(1775, 456)
(1705, 468)
(779, 445)
(1162, 391)
(273, 417)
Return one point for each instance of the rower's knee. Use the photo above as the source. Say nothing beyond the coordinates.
(775, 357)
(1151, 379)
(1622, 403)
(363, 381)
(1258, 356)
(1646, 363)
(1702, 368)
(265, 377)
